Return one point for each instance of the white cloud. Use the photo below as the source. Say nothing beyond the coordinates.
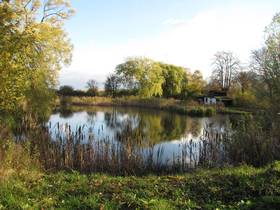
(189, 43)
(174, 21)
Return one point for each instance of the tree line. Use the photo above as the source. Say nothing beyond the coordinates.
(145, 77)
(34, 47)
(254, 85)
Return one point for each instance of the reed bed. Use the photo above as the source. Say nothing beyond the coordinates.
(129, 152)
(62, 147)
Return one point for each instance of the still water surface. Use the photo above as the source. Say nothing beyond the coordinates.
(158, 129)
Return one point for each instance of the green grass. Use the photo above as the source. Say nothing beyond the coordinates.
(231, 188)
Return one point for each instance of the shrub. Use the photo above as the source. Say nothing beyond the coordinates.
(247, 99)
(254, 140)
(17, 156)
(210, 111)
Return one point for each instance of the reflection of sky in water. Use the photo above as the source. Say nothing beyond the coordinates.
(107, 123)
(93, 124)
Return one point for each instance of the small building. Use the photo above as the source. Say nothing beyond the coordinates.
(209, 100)
(214, 97)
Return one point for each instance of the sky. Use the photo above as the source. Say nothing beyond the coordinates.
(186, 33)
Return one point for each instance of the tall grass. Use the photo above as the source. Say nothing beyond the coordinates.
(78, 150)
(254, 141)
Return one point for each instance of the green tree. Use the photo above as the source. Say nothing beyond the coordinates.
(141, 74)
(33, 48)
(266, 63)
(196, 84)
(174, 77)
(66, 90)
(112, 85)
(193, 85)
(244, 80)
(184, 85)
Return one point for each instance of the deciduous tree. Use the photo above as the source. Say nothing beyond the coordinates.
(112, 85)
(173, 79)
(92, 87)
(266, 62)
(225, 66)
(141, 74)
(33, 48)
(244, 79)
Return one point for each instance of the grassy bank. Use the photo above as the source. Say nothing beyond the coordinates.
(231, 188)
(191, 108)
(24, 185)
(234, 111)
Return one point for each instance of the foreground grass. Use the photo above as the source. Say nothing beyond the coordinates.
(231, 188)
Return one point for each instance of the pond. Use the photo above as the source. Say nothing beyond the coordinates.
(149, 138)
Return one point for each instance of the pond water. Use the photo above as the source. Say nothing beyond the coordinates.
(164, 136)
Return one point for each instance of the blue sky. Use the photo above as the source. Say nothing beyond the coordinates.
(182, 32)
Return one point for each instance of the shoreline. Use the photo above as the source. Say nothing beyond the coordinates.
(189, 108)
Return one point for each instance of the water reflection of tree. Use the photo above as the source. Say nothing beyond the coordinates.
(150, 127)
(65, 113)
(194, 126)
(218, 123)
(174, 126)
(91, 117)
(114, 119)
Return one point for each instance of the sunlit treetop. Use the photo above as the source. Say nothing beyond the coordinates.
(33, 48)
